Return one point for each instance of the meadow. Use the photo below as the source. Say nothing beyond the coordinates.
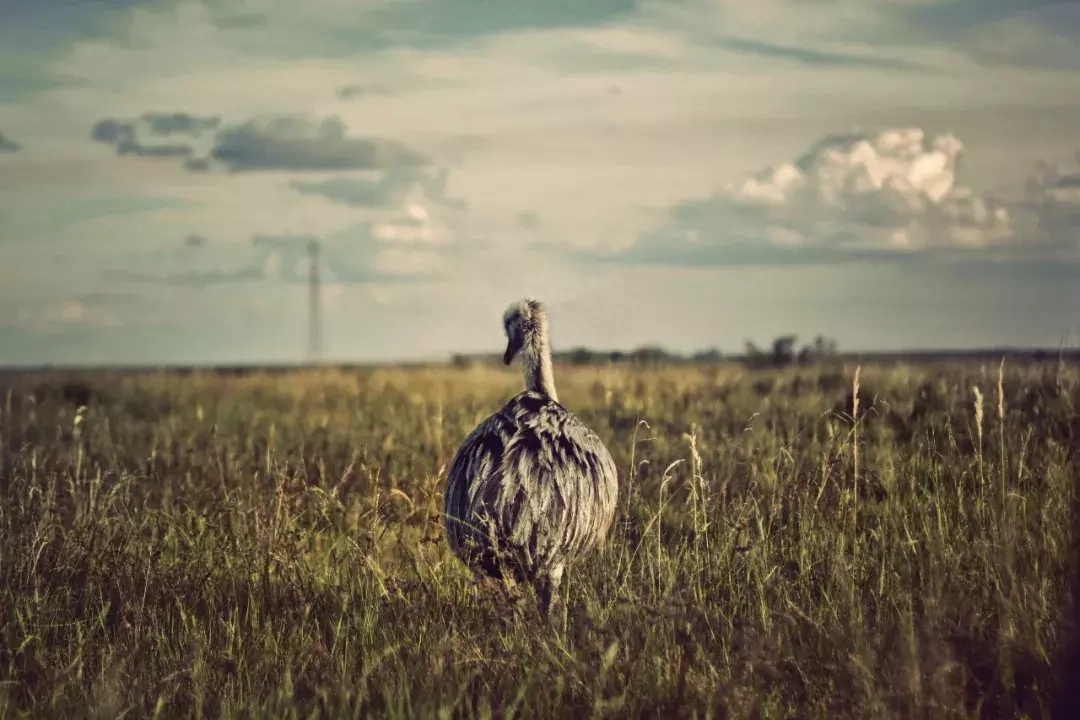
(790, 543)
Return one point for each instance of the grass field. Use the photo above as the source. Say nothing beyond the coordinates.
(270, 545)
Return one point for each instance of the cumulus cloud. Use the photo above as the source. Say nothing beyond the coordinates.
(7, 145)
(410, 241)
(281, 142)
(154, 134)
(406, 243)
(897, 186)
(298, 143)
(394, 187)
(892, 193)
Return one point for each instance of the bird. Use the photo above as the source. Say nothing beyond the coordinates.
(532, 489)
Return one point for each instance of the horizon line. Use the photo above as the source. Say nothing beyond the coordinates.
(911, 354)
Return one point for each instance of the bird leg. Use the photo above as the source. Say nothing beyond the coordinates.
(552, 607)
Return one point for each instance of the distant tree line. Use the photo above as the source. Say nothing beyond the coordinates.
(784, 351)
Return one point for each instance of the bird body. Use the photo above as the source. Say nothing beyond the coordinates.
(532, 489)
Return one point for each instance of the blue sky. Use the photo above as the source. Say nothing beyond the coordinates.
(691, 173)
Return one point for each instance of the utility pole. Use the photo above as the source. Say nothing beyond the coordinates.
(314, 313)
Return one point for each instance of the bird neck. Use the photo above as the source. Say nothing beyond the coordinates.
(536, 361)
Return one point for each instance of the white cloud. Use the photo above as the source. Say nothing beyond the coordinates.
(857, 195)
(897, 187)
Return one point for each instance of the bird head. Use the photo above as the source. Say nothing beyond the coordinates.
(522, 321)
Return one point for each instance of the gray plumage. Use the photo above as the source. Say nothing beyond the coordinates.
(532, 488)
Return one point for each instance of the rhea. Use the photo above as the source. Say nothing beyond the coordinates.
(532, 489)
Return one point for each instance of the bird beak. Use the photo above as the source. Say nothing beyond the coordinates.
(512, 348)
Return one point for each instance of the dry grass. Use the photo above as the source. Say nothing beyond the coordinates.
(271, 546)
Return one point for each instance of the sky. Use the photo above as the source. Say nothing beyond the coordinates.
(683, 173)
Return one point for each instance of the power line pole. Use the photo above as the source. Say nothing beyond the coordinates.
(314, 313)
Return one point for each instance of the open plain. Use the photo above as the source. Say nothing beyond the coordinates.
(270, 544)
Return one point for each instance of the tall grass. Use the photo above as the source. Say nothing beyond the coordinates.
(803, 544)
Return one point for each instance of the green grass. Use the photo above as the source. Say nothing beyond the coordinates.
(270, 545)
